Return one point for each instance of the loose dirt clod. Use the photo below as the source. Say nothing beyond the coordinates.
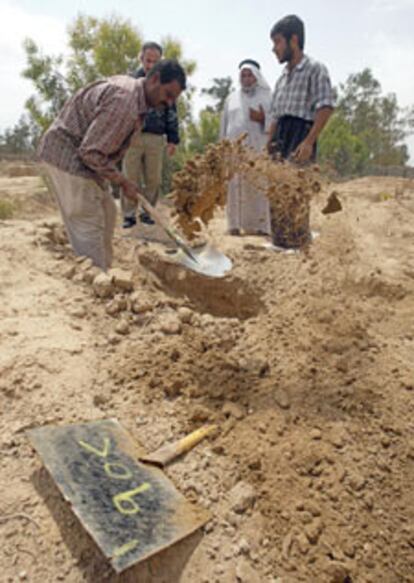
(202, 186)
(333, 204)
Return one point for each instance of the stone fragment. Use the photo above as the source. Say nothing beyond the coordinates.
(245, 573)
(356, 481)
(243, 547)
(315, 434)
(185, 315)
(122, 328)
(79, 312)
(242, 497)
(310, 506)
(174, 388)
(89, 275)
(69, 272)
(333, 204)
(123, 280)
(102, 286)
(200, 414)
(336, 572)
(86, 264)
(314, 530)
(115, 306)
(100, 399)
(254, 462)
(302, 543)
(138, 306)
(170, 324)
(233, 410)
(281, 398)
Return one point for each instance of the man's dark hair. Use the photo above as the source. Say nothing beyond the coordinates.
(151, 45)
(249, 62)
(169, 70)
(287, 27)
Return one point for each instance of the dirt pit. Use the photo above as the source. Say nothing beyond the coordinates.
(231, 296)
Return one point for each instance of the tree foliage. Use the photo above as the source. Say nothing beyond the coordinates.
(97, 48)
(50, 85)
(205, 131)
(368, 128)
(341, 150)
(219, 91)
(19, 139)
(100, 48)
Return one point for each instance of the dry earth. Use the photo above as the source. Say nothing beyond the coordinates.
(304, 361)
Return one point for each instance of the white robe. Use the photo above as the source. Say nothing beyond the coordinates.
(247, 208)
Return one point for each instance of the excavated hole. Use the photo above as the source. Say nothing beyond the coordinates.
(227, 297)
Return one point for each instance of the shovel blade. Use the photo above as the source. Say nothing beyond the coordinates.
(207, 261)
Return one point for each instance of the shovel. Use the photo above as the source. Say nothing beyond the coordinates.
(206, 260)
(171, 234)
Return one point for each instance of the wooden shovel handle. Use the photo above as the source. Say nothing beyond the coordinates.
(167, 453)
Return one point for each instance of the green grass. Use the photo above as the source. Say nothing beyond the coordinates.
(7, 209)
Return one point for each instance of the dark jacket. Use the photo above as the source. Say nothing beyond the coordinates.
(163, 121)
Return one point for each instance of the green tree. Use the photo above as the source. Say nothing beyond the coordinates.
(173, 50)
(97, 48)
(50, 85)
(101, 48)
(219, 91)
(20, 139)
(375, 118)
(340, 150)
(205, 131)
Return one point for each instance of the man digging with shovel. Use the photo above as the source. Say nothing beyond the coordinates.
(89, 136)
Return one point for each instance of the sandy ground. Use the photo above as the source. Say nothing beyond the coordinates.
(304, 361)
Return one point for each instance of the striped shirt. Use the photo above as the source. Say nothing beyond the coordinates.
(302, 91)
(93, 130)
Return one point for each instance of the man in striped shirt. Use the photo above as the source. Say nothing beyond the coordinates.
(302, 100)
(89, 136)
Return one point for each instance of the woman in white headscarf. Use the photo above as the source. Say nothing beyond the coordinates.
(247, 111)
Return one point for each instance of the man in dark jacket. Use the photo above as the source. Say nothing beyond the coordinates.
(142, 163)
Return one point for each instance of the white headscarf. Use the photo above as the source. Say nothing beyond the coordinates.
(236, 117)
(260, 80)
